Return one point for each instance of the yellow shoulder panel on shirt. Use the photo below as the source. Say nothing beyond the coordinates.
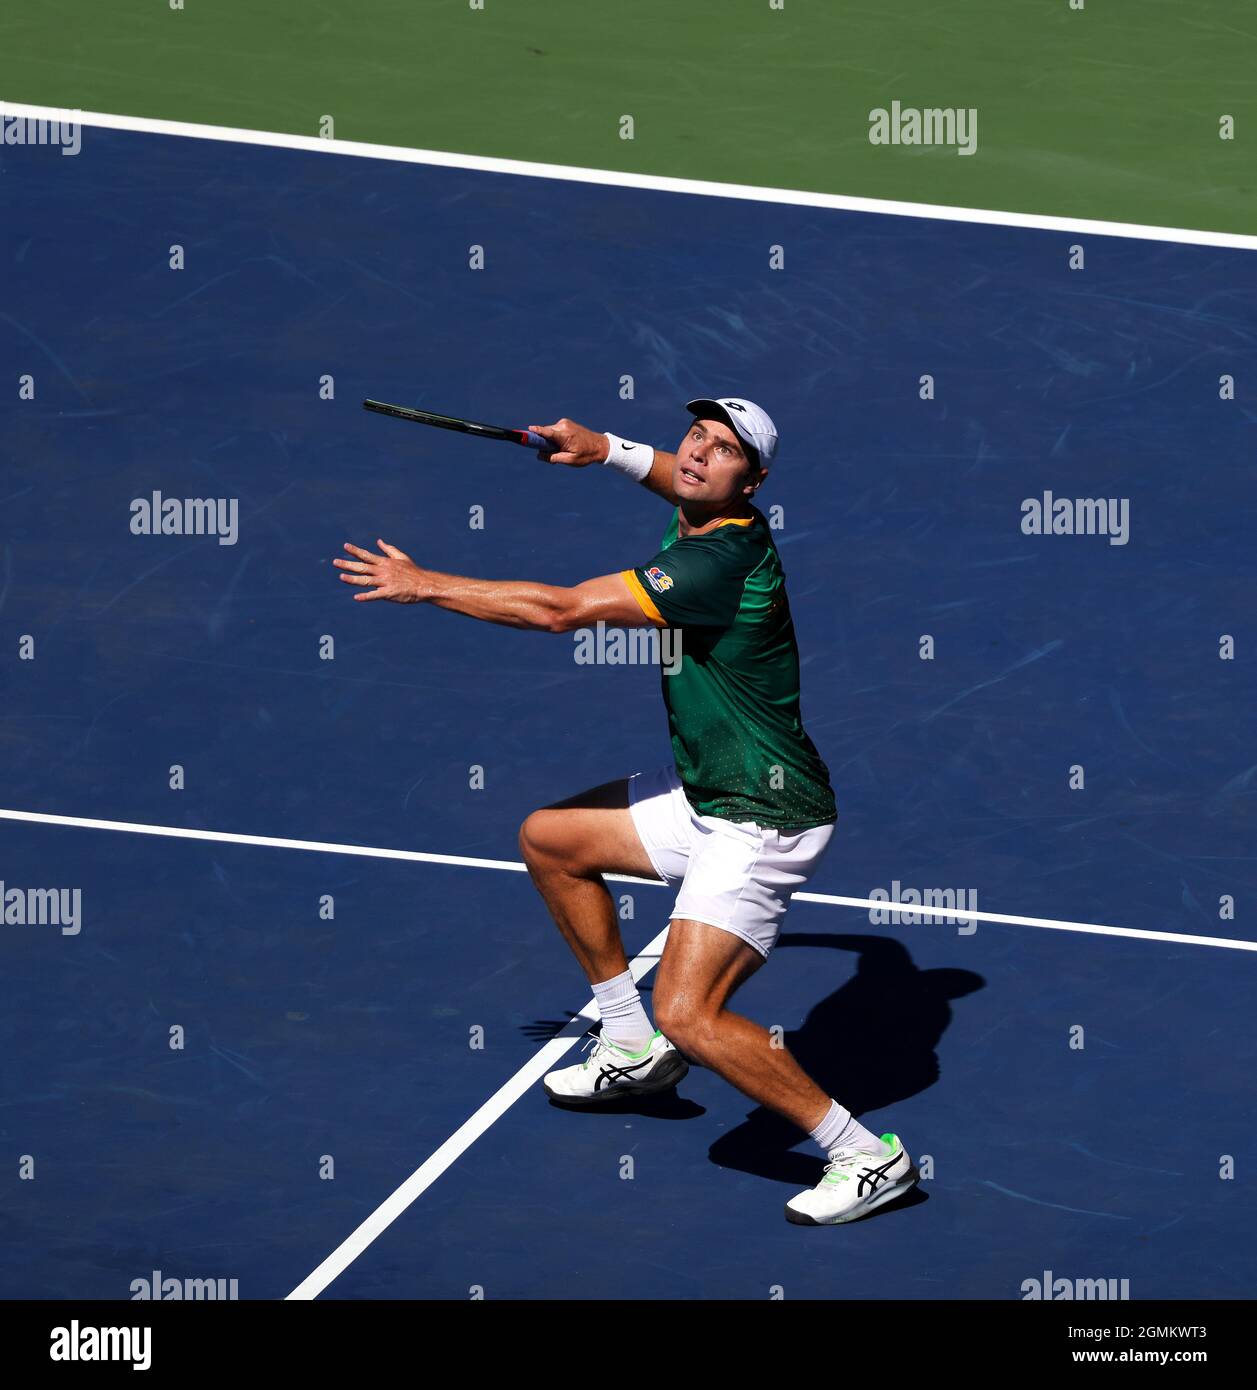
(644, 600)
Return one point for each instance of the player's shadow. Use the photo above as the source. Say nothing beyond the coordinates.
(869, 1044)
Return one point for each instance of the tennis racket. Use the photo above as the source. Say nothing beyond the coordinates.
(451, 422)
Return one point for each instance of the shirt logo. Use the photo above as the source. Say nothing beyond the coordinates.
(658, 581)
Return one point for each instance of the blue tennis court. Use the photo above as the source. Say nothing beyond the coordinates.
(311, 281)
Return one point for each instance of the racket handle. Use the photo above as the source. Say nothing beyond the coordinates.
(537, 441)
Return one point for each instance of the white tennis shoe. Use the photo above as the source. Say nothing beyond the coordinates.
(854, 1184)
(610, 1072)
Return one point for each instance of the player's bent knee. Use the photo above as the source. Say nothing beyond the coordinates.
(543, 841)
(680, 1027)
(532, 837)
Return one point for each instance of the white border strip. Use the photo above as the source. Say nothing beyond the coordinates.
(467, 862)
(614, 178)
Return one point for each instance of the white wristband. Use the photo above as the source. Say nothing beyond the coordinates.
(625, 457)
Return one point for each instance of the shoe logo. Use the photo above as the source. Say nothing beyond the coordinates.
(874, 1177)
(611, 1074)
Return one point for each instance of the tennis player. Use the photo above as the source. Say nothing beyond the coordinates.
(739, 823)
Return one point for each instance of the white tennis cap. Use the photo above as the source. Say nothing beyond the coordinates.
(752, 425)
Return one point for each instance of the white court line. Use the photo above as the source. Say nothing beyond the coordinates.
(462, 1139)
(467, 862)
(496, 1106)
(1050, 923)
(571, 173)
(179, 832)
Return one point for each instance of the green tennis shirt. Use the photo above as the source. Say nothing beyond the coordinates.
(733, 705)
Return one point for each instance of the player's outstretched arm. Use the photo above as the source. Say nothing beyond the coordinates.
(659, 479)
(578, 447)
(394, 575)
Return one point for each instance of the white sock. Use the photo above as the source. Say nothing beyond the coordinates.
(624, 1021)
(840, 1130)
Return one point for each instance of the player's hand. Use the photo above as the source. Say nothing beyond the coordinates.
(392, 575)
(574, 445)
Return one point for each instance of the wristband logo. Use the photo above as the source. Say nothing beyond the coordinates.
(658, 580)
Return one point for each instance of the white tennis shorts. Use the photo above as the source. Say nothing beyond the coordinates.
(735, 875)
